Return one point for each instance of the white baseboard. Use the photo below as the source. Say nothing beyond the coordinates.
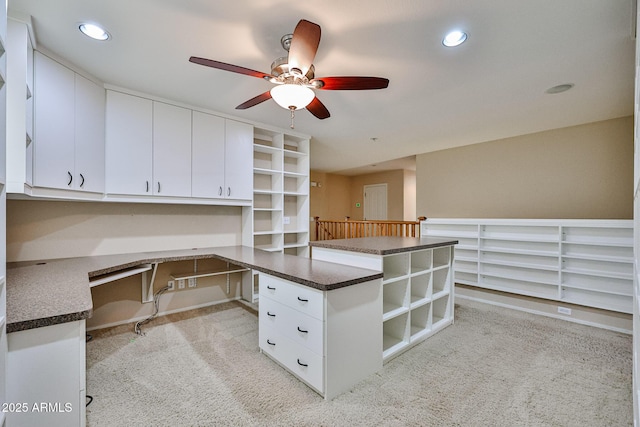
(162, 313)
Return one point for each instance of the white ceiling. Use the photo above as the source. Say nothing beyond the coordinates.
(491, 87)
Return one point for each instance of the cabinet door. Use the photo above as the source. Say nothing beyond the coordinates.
(171, 150)
(239, 160)
(54, 124)
(207, 144)
(89, 135)
(128, 144)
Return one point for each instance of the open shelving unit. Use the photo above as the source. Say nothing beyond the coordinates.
(278, 220)
(584, 262)
(417, 297)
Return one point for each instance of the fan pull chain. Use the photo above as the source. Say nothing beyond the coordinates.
(292, 115)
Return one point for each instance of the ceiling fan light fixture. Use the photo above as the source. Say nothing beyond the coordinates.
(94, 31)
(454, 38)
(292, 96)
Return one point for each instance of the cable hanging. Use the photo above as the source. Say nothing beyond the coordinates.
(156, 303)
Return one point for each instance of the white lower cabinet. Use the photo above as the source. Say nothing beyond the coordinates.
(46, 376)
(330, 340)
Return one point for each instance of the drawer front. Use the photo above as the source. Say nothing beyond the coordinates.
(299, 360)
(302, 298)
(300, 328)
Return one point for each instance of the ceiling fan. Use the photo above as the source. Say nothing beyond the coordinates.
(294, 75)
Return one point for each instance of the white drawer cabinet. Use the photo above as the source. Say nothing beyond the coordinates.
(330, 340)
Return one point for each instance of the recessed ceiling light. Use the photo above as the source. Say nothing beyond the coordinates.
(94, 31)
(559, 88)
(454, 38)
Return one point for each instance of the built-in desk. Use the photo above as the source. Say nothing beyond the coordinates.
(48, 302)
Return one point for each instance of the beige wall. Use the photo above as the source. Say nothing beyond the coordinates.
(578, 172)
(47, 229)
(395, 193)
(410, 196)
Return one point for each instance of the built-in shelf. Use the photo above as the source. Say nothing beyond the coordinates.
(585, 262)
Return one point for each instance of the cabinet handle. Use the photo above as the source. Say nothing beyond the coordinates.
(82, 182)
(270, 315)
(302, 364)
(302, 299)
(147, 187)
(302, 330)
(70, 178)
(270, 343)
(158, 186)
(228, 191)
(220, 192)
(270, 288)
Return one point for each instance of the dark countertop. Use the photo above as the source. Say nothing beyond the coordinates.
(384, 245)
(49, 292)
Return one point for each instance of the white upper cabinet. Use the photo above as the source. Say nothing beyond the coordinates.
(222, 158)
(208, 163)
(129, 144)
(171, 150)
(238, 160)
(69, 129)
(89, 135)
(54, 148)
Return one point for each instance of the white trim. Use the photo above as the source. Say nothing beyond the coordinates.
(542, 313)
(162, 313)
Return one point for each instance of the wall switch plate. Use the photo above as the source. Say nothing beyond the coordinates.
(286, 220)
(192, 282)
(180, 283)
(564, 310)
(171, 285)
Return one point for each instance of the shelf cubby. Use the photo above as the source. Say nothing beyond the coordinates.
(421, 260)
(440, 310)
(441, 257)
(395, 266)
(395, 299)
(441, 281)
(395, 335)
(420, 289)
(420, 321)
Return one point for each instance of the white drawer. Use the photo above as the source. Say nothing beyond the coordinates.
(299, 360)
(302, 298)
(300, 328)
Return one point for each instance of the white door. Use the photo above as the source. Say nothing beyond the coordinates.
(207, 162)
(238, 160)
(171, 150)
(89, 136)
(129, 144)
(375, 202)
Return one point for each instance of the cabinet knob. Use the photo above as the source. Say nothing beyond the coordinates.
(302, 364)
(147, 190)
(158, 186)
(302, 299)
(302, 330)
(220, 192)
(270, 343)
(271, 288)
(228, 191)
(70, 178)
(82, 182)
(270, 314)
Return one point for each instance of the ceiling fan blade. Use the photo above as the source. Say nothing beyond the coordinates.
(227, 67)
(254, 101)
(352, 83)
(304, 45)
(318, 109)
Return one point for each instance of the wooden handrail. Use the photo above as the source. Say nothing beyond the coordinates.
(348, 229)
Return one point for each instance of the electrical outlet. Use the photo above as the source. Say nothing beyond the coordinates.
(564, 310)
(171, 285)
(180, 283)
(286, 220)
(192, 282)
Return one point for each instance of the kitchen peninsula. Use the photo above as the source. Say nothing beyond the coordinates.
(331, 308)
(417, 285)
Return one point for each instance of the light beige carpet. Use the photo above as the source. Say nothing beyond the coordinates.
(493, 367)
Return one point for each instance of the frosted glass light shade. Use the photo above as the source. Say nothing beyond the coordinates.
(292, 95)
